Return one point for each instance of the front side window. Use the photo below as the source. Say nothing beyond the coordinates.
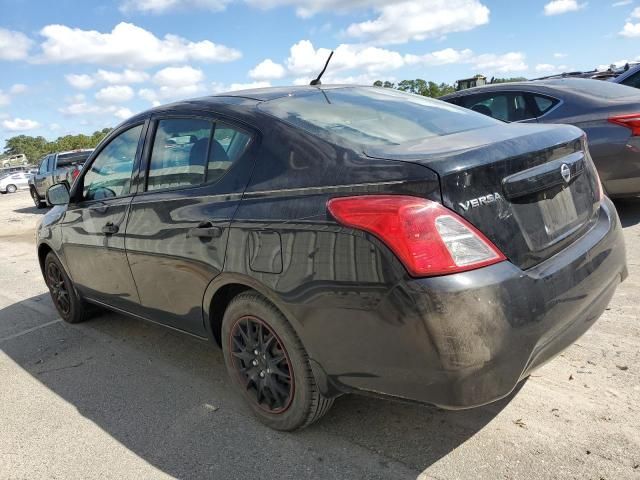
(185, 153)
(110, 172)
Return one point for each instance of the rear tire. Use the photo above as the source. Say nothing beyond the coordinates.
(11, 189)
(276, 382)
(70, 307)
(36, 198)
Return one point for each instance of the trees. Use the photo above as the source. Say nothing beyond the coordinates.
(419, 87)
(36, 147)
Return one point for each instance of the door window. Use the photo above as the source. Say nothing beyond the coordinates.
(544, 104)
(43, 165)
(185, 153)
(508, 107)
(110, 173)
(632, 80)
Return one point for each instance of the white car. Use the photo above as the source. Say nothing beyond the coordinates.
(14, 181)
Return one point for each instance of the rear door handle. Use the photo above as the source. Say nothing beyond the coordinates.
(110, 228)
(205, 230)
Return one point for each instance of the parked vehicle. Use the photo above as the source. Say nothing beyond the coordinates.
(341, 239)
(14, 161)
(61, 167)
(629, 77)
(13, 182)
(608, 113)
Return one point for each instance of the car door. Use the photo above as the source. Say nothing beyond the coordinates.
(508, 106)
(195, 170)
(94, 224)
(39, 179)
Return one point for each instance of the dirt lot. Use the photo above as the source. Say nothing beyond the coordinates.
(121, 398)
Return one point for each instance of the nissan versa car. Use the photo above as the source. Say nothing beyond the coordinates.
(341, 239)
(608, 113)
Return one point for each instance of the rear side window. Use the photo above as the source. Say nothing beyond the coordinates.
(544, 104)
(632, 80)
(191, 151)
(66, 159)
(505, 106)
(372, 116)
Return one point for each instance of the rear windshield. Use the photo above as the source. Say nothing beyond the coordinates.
(72, 157)
(596, 88)
(374, 116)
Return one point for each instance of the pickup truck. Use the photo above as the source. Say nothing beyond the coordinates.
(61, 167)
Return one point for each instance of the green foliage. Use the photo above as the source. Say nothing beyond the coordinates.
(36, 147)
(419, 87)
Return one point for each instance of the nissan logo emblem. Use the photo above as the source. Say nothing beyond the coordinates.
(565, 171)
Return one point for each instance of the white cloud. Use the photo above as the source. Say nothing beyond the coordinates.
(126, 44)
(545, 67)
(80, 81)
(54, 127)
(4, 99)
(630, 28)
(18, 88)
(442, 57)
(559, 55)
(558, 7)
(508, 62)
(20, 124)
(123, 113)
(14, 45)
(125, 77)
(115, 94)
(420, 19)
(163, 6)
(622, 3)
(267, 70)
(81, 108)
(178, 76)
(174, 83)
(222, 88)
(305, 59)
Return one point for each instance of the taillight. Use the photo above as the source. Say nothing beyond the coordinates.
(428, 238)
(631, 121)
(75, 173)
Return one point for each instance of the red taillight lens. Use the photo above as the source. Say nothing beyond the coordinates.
(75, 173)
(631, 121)
(428, 238)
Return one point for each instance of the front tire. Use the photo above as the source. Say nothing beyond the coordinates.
(36, 198)
(269, 366)
(70, 307)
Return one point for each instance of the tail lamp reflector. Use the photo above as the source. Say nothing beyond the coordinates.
(428, 238)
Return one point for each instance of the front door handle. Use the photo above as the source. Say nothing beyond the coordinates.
(205, 230)
(110, 228)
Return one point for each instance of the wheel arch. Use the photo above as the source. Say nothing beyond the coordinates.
(225, 288)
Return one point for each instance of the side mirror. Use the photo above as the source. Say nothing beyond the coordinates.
(58, 194)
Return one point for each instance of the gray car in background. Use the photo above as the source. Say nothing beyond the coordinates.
(609, 114)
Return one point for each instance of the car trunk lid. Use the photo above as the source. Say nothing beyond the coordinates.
(531, 189)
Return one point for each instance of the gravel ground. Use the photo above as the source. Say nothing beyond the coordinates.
(121, 398)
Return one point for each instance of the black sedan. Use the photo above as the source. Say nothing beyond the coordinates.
(607, 112)
(341, 239)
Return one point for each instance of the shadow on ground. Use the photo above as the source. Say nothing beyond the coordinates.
(629, 211)
(33, 209)
(166, 397)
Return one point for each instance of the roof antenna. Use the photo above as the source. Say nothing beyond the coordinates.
(317, 80)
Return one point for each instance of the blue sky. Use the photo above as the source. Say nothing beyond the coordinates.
(71, 66)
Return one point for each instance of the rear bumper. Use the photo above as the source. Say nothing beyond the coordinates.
(464, 340)
(491, 327)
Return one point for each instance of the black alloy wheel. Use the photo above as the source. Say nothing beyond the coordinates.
(58, 289)
(262, 364)
(268, 364)
(70, 307)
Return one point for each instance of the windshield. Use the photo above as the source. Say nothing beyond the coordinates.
(374, 116)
